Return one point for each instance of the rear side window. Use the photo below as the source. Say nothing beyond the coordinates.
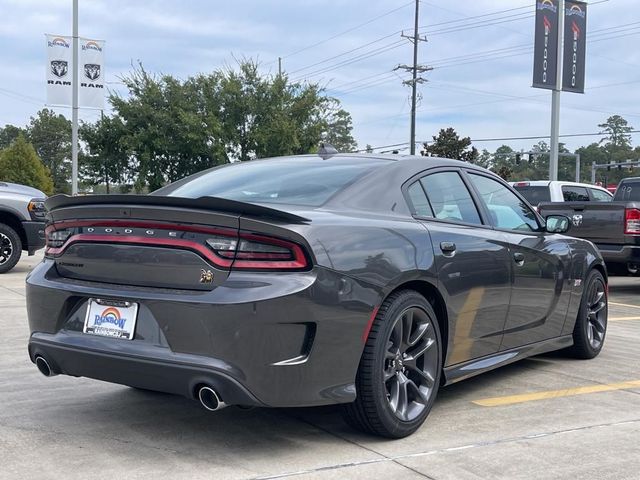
(574, 194)
(628, 191)
(535, 195)
(419, 200)
(450, 198)
(599, 195)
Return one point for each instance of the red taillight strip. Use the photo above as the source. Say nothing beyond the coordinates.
(271, 262)
(136, 240)
(137, 224)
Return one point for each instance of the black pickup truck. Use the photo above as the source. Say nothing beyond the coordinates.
(614, 227)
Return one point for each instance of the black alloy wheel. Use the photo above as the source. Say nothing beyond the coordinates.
(410, 362)
(399, 373)
(591, 325)
(10, 248)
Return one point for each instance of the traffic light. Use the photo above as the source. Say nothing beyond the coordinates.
(518, 158)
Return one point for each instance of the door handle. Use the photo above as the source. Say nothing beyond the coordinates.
(448, 248)
(519, 258)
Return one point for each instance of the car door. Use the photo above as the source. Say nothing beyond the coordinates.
(472, 261)
(540, 264)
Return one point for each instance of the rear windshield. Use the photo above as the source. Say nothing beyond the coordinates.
(628, 191)
(535, 195)
(295, 181)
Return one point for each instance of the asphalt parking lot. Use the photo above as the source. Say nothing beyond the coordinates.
(545, 417)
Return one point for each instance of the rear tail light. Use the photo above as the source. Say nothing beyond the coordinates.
(521, 184)
(223, 248)
(56, 238)
(632, 221)
(262, 252)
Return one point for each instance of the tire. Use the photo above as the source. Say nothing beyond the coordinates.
(396, 382)
(591, 325)
(10, 248)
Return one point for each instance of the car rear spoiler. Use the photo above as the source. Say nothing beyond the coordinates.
(203, 203)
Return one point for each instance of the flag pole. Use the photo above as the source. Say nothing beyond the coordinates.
(74, 104)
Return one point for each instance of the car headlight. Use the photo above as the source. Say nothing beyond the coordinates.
(37, 210)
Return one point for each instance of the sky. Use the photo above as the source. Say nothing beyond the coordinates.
(481, 52)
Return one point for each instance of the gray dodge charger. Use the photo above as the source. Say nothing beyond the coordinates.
(363, 280)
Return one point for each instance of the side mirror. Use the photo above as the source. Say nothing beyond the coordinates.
(557, 224)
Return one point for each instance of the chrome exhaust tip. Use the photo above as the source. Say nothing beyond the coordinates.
(210, 399)
(44, 366)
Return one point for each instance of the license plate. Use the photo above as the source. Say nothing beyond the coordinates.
(111, 318)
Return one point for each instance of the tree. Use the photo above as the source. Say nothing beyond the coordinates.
(106, 159)
(8, 135)
(173, 128)
(19, 163)
(50, 135)
(449, 145)
(617, 131)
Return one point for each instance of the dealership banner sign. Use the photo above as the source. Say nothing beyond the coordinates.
(90, 72)
(573, 59)
(59, 57)
(545, 51)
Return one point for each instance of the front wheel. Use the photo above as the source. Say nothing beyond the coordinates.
(591, 324)
(399, 373)
(10, 248)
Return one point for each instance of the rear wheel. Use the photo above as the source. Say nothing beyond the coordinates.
(10, 248)
(399, 372)
(591, 324)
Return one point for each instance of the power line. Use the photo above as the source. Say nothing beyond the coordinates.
(503, 19)
(347, 31)
(504, 139)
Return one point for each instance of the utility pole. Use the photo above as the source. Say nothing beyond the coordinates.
(279, 66)
(414, 69)
(74, 104)
(555, 100)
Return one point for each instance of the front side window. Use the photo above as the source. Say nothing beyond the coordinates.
(574, 194)
(600, 196)
(507, 211)
(450, 198)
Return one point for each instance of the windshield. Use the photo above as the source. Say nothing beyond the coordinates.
(296, 181)
(534, 195)
(628, 191)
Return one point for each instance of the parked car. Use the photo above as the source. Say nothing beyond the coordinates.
(22, 219)
(614, 227)
(362, 280)
(555, 191)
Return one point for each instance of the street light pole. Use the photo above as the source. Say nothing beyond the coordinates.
(555, 100)
(74, 104)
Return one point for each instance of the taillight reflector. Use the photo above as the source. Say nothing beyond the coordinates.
(632, 221)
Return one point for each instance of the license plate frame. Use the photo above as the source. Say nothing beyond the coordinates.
(111, 318)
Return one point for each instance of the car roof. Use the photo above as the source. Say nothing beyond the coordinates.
(546, 183)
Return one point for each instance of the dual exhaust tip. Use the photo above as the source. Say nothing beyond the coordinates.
(208, 397)
(44, 366)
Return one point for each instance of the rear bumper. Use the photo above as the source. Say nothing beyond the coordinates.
(177, 374)
(34, 233)
(277, 339)
(619, 257)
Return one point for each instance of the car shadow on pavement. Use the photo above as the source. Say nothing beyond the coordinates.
(179, 424)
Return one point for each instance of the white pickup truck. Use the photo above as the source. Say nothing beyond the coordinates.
(555, 191)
